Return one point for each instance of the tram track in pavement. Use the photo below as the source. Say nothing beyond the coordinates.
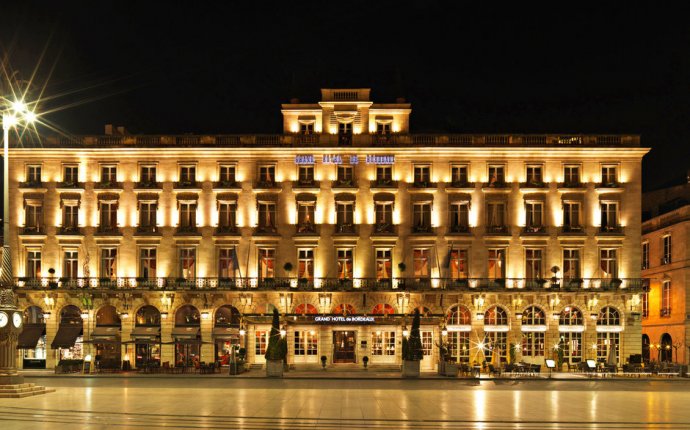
(102, 419)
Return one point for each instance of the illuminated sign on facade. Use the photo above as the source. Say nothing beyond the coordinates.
(336, 319)
(345, 159)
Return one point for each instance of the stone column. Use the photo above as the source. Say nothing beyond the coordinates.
(9, 333)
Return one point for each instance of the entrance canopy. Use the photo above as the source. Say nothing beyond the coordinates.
(28, 338)
(66, 336)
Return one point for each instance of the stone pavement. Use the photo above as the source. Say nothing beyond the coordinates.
(261, 403)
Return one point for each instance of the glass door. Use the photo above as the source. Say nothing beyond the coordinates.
(344, 346)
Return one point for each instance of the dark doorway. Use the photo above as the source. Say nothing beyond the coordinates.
(645, 348)
(344, 346)
(666, 348)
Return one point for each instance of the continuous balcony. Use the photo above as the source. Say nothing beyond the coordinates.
(467, 285)
(394, 140)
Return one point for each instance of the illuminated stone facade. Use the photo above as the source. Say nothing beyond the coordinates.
(665, 325)
(372, 220)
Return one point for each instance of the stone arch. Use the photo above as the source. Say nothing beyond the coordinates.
(227, 316)
(571, 315)
(344, 309)
(533, 315)
(107, 316)
(645, 348)
(666, 351)
(147, 315)
(187, 315)
(71, 314)
(496, 315)
(609, 315)
(382, 309)
(33, 315)
(458, 314)
(305, 309)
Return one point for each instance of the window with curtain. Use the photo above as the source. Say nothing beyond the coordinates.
(305, 264)
(267, 263)
(383, 264)
(459, 267)
(147, 262)
(108, 264)
(421, 259)
(345, 263)
(497, 263)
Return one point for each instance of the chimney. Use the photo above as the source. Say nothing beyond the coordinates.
(121, 130)
(108, 129)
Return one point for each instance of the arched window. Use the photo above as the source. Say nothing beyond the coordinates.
(533, 315)
(344, 309)
(33, 315)
(187, 315)
(609, 316)
(228, 315)
(306, 309)
(107, 316)
(148, 316)
(495, 315)
(570, 316)
(666, 352)
(458, 315)
(383, 309)
(71, 314)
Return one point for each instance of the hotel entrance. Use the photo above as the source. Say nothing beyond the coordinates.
(344, 343)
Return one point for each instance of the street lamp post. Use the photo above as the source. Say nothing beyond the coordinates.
(16, 113)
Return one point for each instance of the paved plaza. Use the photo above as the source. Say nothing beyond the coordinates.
(259, 403)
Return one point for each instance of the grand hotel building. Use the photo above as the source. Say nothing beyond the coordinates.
(172, 249)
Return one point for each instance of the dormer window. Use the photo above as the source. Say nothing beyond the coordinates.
(383, 128)
(306, 128)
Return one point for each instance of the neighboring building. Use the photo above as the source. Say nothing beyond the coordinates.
(666, 231)
(174, 248)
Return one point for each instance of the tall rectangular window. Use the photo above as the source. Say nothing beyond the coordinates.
(571, 342)
(267, 263)
(571, 264)
(666, 298)
(384, 174)
(267, 215)
(306, 128)
(187, 214)
(108, 215)
(345, 263)
(606, 341)
(260, 342)
(267, 175)
(497, 263)
(108, 174)
(70, 175)
(459, 267)
(306, 174)
(534, 214)
(305, 216)
(498, 341)
(497, 175)
(533, 344)
(608, 263)
(344, 216)
(496, 215)
(346, 175)
(422, 175)
(227, 213)
(70, 215)
(666, 243)
(534, 174)
(571, 215)
(306, 342)
(70, 264)
(226, 262)
(645, 256)
(108, 263)
(421, 257)
(33, 264)
(383, 127)
(384, 215)
(609, 175)
(459, 346)
(459, 217)
(533, 263)
(147, 174)
(147, 214)
(644, 298)
(383, 343)
(421, 219)
(187, 263)
(609, 216)
(33, 218)
(459, 175)
(305, 262)
(226, 174)
(147, 262)
(383, 264)
(33, 174)
(187, 174)
(571, 174)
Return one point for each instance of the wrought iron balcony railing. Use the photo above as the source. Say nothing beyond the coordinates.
(468, 285)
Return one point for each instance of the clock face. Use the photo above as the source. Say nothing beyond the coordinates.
(17, 319)
(4, 319)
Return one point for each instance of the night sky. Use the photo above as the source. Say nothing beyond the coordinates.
(209, 68)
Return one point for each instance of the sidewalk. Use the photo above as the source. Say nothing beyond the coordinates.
(350, 375)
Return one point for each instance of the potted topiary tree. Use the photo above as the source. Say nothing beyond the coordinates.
(412, 349)
(324, 359)
(276, 349)
(365, 362)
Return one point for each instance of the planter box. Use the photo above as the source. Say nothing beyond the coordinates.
(410, 368)
(274, 368)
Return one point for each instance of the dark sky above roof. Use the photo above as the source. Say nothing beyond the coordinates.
(224, 67)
